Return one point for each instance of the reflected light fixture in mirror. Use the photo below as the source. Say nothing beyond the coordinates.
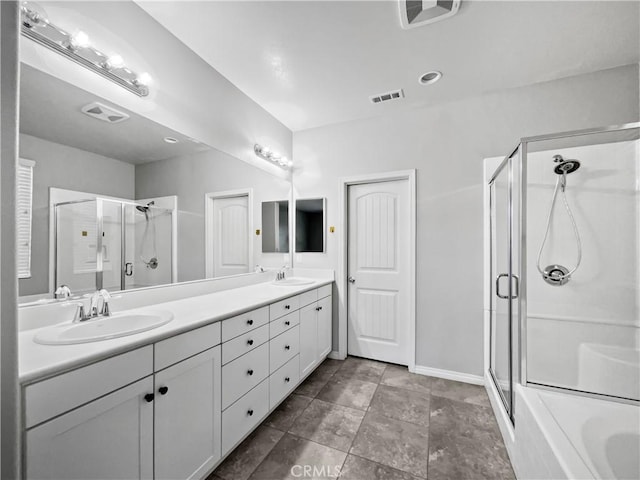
(77, 47)
(270, 156)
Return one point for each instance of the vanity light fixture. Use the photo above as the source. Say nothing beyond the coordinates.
(77, 47)
(269, 155)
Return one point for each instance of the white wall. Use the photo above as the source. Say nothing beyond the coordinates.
(446, 144)
(9, 392)
(190, 178)
(70, 168)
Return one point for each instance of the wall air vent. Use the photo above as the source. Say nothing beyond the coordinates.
(383, 97)
(102, 112)
(414, 13)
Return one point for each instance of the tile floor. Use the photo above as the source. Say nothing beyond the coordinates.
(365, 420)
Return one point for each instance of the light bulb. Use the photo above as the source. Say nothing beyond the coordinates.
(115, 61)
(80, 40)
(144, 79)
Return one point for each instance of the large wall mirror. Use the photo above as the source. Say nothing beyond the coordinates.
(110, 199)
(310, 225)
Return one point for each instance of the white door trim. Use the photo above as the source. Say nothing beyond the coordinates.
(208, 220)
(341, 283)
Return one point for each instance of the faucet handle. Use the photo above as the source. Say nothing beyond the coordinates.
(63, 291)
(106, 296)
(79, 315)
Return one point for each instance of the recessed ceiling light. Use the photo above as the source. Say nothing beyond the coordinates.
(430, 77)
(170, 140)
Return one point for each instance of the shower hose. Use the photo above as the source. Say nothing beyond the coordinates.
(145, 240)
(561, 184)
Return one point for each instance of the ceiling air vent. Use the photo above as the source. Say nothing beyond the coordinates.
(383, 97)
(414, 13)
(104, 113)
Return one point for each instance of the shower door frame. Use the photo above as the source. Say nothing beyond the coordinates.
(522, 235)
(507, 164)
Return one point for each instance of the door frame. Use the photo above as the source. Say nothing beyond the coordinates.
(341, 283)
(208, 224)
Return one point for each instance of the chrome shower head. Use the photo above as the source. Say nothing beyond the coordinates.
(565, 166)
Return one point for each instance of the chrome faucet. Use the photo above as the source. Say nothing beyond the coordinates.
(281, 274)
(95, 300)
(62, 292)
(259, 269)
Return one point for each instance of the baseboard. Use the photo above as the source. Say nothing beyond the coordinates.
(335, 355)
(450, 375)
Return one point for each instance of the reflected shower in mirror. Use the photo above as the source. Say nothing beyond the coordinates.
(310, 225)
(121, 201)
(275, 227)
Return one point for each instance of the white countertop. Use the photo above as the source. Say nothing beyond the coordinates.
(38, 361)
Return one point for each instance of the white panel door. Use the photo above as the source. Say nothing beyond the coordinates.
(108, 438)
(378, 273)
(231, 236)
(188, 417)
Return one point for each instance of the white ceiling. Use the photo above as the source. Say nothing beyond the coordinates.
(50, 109)
(311, 63)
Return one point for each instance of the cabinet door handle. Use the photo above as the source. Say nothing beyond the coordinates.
(287, 322)
(287, 347)
(249, 322)
(287, 307)
(149, 397)
(250, 342)
(318, 308)
(287, 379)
(250, 412)
(249, 372)
(163, 390)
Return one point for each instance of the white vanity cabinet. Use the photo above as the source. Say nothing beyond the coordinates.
(315, 331)
(111, 437)
(187, 417)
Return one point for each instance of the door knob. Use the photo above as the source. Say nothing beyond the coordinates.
(351, 279)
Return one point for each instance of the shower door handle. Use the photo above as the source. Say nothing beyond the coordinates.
(128, 269)
(516, 289)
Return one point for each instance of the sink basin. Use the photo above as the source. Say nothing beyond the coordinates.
(103, 328)
(293, 281)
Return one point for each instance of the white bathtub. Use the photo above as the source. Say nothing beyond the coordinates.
(566, 436)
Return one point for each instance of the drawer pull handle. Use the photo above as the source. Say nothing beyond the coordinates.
(249, 322)
(318, 309)
(287, 307)
(249, 372)
(287, 322)
(250, 412)
(250, 342)
(149, 397)
(163, 390)
(287, 347)
(287, 379)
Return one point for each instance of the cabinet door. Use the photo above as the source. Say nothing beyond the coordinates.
(324, 328)
(107, 438)
(187, 417)
(308, 339)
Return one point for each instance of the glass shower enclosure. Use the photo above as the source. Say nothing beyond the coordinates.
(564, 273)
(112, 244)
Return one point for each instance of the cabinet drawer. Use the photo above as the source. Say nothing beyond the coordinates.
(244, 343)
(308, 297)
(175, 349)
(283, 324)
(244, 373)
(62, 393)
(283, 381)
(324, 291)
(284, 347)
(288, 305)
(243, 323)
(243, 415)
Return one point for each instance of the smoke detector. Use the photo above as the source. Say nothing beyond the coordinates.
(384, 97)
(102, 112)
(414, 13)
